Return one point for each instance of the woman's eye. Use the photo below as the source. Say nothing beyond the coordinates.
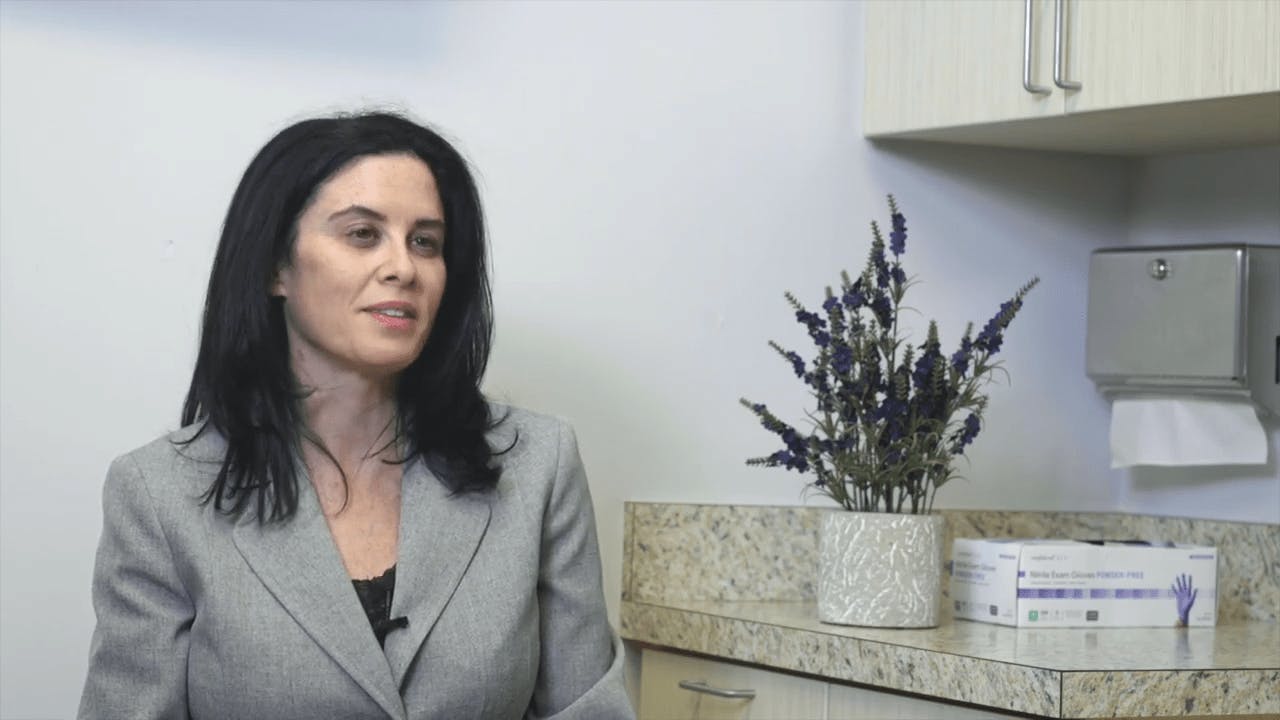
(363, 234)
(427, 244)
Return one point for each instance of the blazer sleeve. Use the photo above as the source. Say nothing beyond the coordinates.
(138, 654)
(580, 672)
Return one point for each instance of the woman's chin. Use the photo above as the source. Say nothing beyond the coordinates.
(384, 365)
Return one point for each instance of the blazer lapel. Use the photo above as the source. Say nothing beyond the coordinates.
(439, 535)
(299, 563)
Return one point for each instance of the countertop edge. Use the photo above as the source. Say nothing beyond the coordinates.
(947, 676)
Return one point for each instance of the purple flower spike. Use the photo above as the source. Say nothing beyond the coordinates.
(797, 363)
(960, 360)
(898, 237)
(818, 381)
(967, 433)
(924, 366)
(813, 321)
(883, 310)
(842, 360)
(990, 338)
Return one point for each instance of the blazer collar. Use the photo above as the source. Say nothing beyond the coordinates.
(300, 564)
(439, 536)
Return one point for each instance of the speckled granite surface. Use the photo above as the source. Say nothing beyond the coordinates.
(1171, 693)
(695, 576)
(700, 552)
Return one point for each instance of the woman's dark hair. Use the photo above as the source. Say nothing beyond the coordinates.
(243, 385)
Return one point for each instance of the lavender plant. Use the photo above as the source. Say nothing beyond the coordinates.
(890, 417)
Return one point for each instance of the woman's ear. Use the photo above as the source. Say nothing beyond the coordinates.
(277, 288)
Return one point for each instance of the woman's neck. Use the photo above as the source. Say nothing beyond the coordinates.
(352, 416)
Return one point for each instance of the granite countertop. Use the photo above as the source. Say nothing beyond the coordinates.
(736, 582)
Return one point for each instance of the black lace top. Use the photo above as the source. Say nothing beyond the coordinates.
(375, 595)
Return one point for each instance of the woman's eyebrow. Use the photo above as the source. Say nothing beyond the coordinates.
(371, 214)
(358, 210)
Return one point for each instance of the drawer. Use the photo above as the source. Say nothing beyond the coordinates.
(776, 695)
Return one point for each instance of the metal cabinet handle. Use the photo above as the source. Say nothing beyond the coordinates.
(1158, 268)
(1026, 57)
(1059, 50)
(701, 687)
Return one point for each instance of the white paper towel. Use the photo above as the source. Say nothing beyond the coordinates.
(1155, 430)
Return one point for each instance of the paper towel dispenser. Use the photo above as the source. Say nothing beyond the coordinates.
(1191, 319)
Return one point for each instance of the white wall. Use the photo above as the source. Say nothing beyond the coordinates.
(656, 175)
(1228, 196)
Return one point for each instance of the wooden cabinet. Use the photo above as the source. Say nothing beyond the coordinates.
(776, 695)
(1155, 75)
(938, 64)
(1166, 51)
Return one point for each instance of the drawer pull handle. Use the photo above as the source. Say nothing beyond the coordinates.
(1059, 49)
(705, 689)
(1026, 56)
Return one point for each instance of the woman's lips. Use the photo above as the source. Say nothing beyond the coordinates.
(391, 321)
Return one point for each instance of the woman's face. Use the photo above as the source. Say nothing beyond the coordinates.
(367, 273)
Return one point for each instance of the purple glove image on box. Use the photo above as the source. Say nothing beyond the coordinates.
(1185, 594)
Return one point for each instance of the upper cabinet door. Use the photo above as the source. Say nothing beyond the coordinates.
(1128, 52)
(939, 63)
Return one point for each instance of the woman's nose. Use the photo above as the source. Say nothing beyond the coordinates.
(397, 265)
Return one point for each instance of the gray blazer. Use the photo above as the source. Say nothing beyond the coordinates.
(200, 616)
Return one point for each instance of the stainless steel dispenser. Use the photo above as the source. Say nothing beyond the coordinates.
(1193, 319)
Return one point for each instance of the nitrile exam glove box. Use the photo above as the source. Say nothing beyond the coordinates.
(1071, 583)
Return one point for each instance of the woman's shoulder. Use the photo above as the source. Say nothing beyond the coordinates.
(185, 458)
(526, 426)
(531, 445)
(195, 443)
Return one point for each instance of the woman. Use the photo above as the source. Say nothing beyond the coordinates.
(345, 528)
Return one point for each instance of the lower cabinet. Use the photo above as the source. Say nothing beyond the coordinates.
(680, 687)
(773, 695)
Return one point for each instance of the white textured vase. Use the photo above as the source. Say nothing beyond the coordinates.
(880, 569)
